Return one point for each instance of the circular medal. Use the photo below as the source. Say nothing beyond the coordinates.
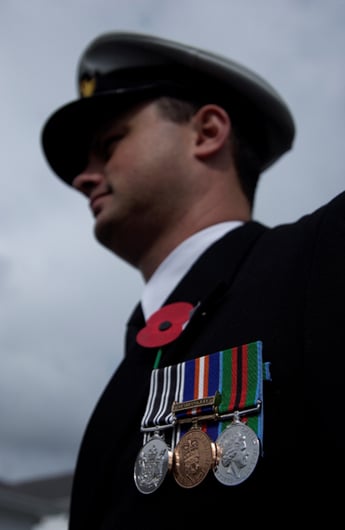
(238, 450)
(194, 455)
(152, 464)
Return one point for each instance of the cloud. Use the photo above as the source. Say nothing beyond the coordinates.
(58, 522)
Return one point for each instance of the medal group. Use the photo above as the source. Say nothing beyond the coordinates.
(211, 410)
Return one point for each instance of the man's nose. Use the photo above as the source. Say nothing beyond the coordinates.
(86, 181)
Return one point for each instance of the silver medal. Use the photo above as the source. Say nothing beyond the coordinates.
(152, 464)
(238, 450)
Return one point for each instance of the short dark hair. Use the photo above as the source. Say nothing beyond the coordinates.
(245, 159)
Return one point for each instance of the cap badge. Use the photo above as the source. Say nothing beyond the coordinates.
(87, 87)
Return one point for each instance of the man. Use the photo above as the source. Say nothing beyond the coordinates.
(238, 333)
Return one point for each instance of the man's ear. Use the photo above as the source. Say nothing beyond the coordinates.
(212, 125)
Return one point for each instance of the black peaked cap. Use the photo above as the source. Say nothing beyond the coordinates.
(120, 69)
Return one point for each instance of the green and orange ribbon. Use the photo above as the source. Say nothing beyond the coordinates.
(235, 375)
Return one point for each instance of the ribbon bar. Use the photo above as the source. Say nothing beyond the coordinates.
(211, 387)
(200, 403)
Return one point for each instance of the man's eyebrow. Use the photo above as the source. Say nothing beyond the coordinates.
(114, 127)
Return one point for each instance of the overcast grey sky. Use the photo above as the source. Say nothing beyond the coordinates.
(65, 299)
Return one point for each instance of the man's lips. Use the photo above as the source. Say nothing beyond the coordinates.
(96, 202)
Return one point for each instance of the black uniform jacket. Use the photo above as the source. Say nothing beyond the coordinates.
(284, 286)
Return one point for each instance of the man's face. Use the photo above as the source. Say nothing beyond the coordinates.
(137, 179)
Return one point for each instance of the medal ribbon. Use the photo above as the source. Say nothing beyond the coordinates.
(236, 373)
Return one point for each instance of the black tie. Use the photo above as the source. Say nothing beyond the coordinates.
(134, 324)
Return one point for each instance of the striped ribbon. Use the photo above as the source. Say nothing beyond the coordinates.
(236, 373)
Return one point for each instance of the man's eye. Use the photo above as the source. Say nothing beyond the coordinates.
(108, 145)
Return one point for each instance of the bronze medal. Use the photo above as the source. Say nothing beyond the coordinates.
(152, 464)
(194, 456)
(238, 450)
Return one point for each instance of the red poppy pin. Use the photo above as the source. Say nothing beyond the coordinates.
(165, 325)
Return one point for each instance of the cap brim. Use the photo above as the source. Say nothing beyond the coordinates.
(67, 134)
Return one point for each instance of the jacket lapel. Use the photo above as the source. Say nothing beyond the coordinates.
(210, 278)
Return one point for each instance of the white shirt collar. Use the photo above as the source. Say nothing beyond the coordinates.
(177, 263)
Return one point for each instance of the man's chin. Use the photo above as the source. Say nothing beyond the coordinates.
(102, 230)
